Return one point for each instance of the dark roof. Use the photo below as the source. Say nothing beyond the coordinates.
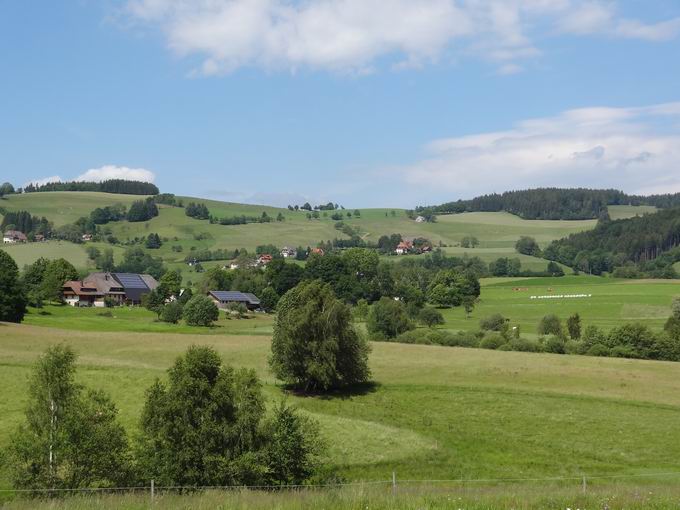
(231, 296)
(252, 298)
(134, 285)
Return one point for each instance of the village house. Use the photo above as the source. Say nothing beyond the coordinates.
(288, 253)
(116, 288)
(224, 298)
(86, 237)
(404, 247)
(14, 236)
(318, 251)
(265, 259)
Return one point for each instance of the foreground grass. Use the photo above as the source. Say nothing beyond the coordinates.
(611, 496)
(433, 413)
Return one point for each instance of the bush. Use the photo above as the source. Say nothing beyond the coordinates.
(388, 317)
(554, 344)
(572, 347)
(171, 312)
(200, 311)
(430, 317)
(525, 345)
(623, 351)
(598, 350)
(495, 322)
(550, 325)
(492, 341)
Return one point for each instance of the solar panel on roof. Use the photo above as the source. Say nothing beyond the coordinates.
(229, 295)
(130, 281)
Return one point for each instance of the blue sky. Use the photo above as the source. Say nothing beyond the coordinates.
(362, 102)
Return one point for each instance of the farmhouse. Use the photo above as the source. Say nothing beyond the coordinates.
(224, 298)
(403, 248)
(14, 236)
(118, 288)
(288, 252)
(265, 259)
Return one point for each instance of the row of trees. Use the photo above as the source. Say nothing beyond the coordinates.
(205, 424)
(142, 210)
(120, 186)
(553, 203)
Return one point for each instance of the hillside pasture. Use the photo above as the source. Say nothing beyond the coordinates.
(612, 302)
(434, 413)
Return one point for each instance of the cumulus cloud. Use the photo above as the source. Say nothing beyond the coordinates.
(43, 180)
(108, 172)
(355, 35)
(634, 149)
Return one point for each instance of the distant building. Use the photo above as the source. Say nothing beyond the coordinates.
(265, 259)
(420, 219)
(224, 298)
(318, 251)
(14, 236)
(403, 248)
(288, 253)
(86, 237)
(120, 288)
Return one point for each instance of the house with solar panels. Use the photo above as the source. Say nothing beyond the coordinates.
(224, 298)
(98, 288)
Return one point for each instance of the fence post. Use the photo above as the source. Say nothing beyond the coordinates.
(152, 491)
(584, 484)
(394, 482)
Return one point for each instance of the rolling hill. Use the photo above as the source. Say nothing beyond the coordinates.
(497, 232)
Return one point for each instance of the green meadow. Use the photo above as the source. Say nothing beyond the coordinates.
(434, 413)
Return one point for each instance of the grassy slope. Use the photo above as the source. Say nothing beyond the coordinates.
(497, 232)
(436, 412)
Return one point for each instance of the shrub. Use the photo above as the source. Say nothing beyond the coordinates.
(623, 351)
(495, 322)
(200, 311)
(525, 345)
(492, 341)
(171, 312)
(550, 325)
(554, 344)
(388, 317)
(572, 347)
(505, 347)
(598, 350)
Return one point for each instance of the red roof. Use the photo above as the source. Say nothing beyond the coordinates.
(405, 245)
(81, 288)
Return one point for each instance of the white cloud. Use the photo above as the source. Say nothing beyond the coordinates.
(634, 149)
(594, 17)
(354, 35)
(107, 172)
(43, 180)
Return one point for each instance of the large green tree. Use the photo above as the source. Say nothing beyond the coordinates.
(200, 311)
(57, 272)
(12, 294)
(70, 438)
(315, 346)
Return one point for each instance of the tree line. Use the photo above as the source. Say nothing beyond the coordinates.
(552, 203)
(641, 246)
(118, 186)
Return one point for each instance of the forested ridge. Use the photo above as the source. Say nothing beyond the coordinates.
(120, 186)
(643, 244)
(553, 203)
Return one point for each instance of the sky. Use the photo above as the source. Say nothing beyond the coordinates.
(366, 103)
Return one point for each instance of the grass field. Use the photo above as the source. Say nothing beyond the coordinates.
(612, 302)
(435, 412)
(497, 232)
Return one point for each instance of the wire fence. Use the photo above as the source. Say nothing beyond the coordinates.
(394, 483)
